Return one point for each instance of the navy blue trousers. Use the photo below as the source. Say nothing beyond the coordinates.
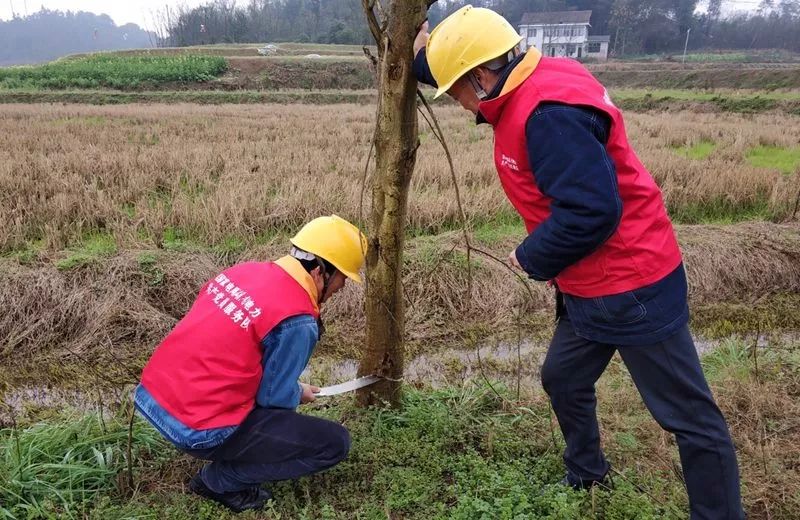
(273, 444)
(670, 380)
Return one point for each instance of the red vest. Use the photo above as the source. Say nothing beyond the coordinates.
(643, 249)
(207, 371)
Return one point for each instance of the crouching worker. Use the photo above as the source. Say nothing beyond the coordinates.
(223, 385)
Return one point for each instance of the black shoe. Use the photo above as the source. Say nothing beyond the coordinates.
(254, 498)
(604, 483)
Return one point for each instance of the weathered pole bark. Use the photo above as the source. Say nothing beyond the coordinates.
(396, 142)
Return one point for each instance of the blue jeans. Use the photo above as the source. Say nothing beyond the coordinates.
(273, 444)
(670, 380)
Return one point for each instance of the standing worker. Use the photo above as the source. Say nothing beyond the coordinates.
(223, 385)
(599, 231)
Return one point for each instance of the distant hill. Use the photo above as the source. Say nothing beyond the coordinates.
(48, 35)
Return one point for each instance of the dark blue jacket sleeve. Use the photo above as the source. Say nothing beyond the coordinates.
(421, 69)
(567, 153)
(287, 349)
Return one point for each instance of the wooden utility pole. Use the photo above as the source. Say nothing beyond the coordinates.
(393, 25)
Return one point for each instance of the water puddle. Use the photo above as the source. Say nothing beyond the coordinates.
(503, 362)
(447, 367)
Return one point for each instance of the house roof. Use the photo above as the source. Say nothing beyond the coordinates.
(571, 17)
(599, 38)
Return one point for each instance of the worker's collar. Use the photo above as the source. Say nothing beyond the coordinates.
(511, 77)
(295, 269)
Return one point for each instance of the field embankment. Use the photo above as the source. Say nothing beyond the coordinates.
(318, 74)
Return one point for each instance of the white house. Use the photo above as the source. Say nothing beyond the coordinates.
(597, 47)
(564, 34)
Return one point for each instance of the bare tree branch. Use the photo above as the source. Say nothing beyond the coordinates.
(372, 20)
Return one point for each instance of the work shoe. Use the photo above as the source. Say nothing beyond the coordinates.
(604, 483)
(254, 498)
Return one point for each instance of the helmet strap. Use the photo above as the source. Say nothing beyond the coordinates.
(326, 280)
(476, 85)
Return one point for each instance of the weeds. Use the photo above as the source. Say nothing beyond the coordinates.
(148, 265)
(58, 469)
(91, 249)
(461, 452)
(456, 453)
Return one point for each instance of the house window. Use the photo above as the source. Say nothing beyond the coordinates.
(532, 32)
(570, 49)
(594, 47)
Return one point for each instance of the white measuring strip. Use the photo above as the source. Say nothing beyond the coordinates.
(349, 386)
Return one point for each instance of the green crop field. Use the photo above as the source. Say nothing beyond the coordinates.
(105, 70)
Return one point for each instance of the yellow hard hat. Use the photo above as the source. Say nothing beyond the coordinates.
(336, 240)
(464, 40)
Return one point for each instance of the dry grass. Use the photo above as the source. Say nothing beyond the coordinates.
(249, 172)
(761, 408)
(114, 216)
(111, 312)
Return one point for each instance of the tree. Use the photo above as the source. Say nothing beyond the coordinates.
(396, 141)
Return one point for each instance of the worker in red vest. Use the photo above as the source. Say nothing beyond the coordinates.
(223, 385)
(598, 231)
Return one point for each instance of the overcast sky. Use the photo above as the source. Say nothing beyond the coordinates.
(139, 12)
(122, 12)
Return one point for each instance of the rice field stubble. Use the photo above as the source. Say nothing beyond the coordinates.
(116, 215)
(215, 172)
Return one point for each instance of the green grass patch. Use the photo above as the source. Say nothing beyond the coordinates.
(456, 453)
(506, 224)
(722, 100)
(128, 209)
(59, 468)
(229, 249)
(703, 94)
(787, 160)
(176, 239)
(627, 99)
(148, 264)
(720, 212)
(202, 97)
(105, 70)
(772, 313)
(91, 249)
(488, 229)
(697, 151)
(26, 253)
(753, 56)
(87, 121)
(460, 452)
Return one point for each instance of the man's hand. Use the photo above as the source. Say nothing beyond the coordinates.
(309, 393)
(512, 259)
(422, 38)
